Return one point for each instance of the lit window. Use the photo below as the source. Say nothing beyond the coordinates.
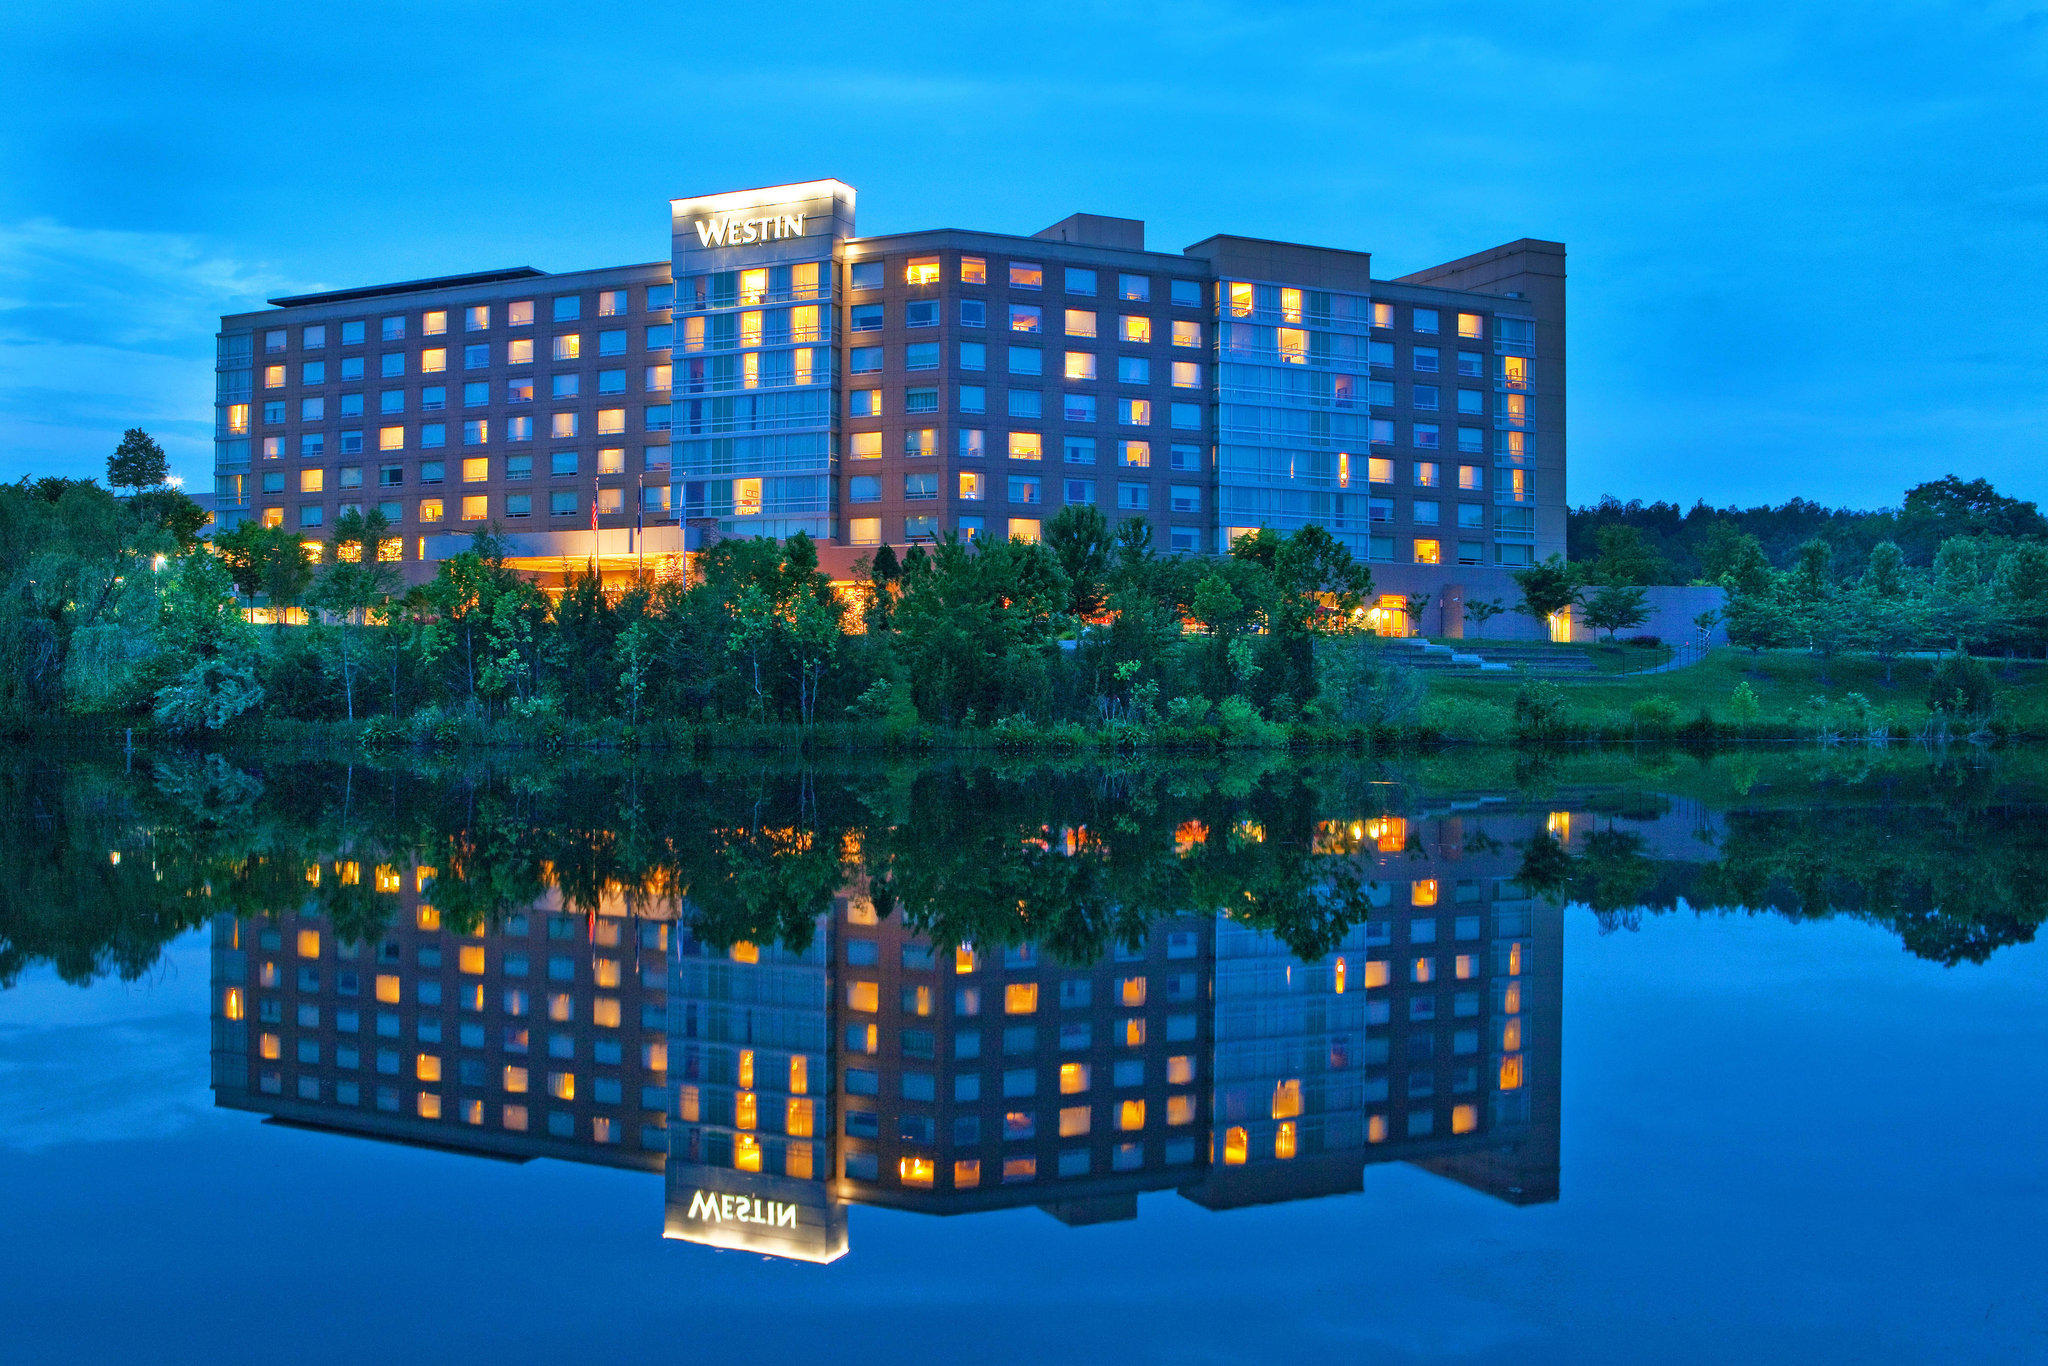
(1073, 1078)
(1074, 1121)
(1130, 1114)
(1025, 275)
(1136, 328)
(1025, 446)
(388, 989)
(922, 270)
(1020, 998)
(1024, 529)
(427, 1067)
(1428, 551)
(1180, 1109)
(1283, 1140)
(1377, 973)
(863, 996)
(1080, 365)
(973, 270)
(1287, 1098)
(1235, 1143)
(1132, 990)
(515, 1080)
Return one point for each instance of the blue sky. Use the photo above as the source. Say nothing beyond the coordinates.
(1807, 240)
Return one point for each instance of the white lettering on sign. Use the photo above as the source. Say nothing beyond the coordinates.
(741, 1209)
(734, 231)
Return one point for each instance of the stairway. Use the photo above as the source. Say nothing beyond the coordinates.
(1493, 656)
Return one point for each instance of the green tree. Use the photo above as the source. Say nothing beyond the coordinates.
(1548, 588)
(1625, 559)
(2019, 588)
(356, 585)
(266, 560)
(1479, 611)
(138, 462)
(208, 655)
(1080, 537)
(1616, 608)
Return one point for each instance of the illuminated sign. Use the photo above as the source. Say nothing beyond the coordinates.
(741, 1209)
(731, 230)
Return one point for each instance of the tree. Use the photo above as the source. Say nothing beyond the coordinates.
(180, 518)
(1479, 611)
(138, 462)
(1080, 536)
(1625, 559)
(2019, 588)
(1548, 588)
(267, 560)
(356, 585)
(1734, 558)
(208, 657)
(1938, 511)
(1616, 609)
(1321, 586)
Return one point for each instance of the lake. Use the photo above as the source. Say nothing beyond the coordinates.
(1587, 1057)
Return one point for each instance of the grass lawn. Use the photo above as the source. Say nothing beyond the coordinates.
(1783, 680)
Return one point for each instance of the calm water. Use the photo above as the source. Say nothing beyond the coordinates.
(1593, 1060)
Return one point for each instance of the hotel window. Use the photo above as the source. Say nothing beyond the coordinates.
(563, 504)
(518, 505)
(921, 313)
(611, 381)
(519, 352)
(1424, 360)
(1026, 318)
(1469, 477)
(920, 442)
(1471, 516)
(923, 527)
(973, 398)
(1080, 323)
(865, 275)
(919, 488)
(1470, 403)
(921, 356)
(1471, 441)
(1080, 493)
(391, 401)
(1424, 396)
(659, 378)
(568, 346)
(611, 500)
(920, 400)
(1425, 474)
(1029, 403)
(1080, 450)
(391, 364)
(1426, 320)
(391, 438)
(392, 329)
(1428, 436)
(568, 308)
(973, 355)
(1187, 374)
(1471, 365)
(1425, 512)
(611, 343)
(971, 486)
(863, 402)
(1080, 365)
(867, 445)
(1080, 280)
(562, 425)
(351, 368)
(476, 507)
(921, 270)
(313, 338)
(476, 470)
(1026, 275)
(1026, 446)
(273, 517)
(610, 421)
(1079, 407)
(1186, 417)
(1135, 328)
(273, 377)
(1134, 412)
(865, 530)
(562, 463)
(352, 333)
(1133, 370)
(313, 516)
(611, 460)
(1023, 489)
(1134, 454)
(566, 386)
(1293, 344)
(351, 443)
(1184, 498)
(1471, 326)
(476, 318)
(433, 398)
(1024, 529)
(1133, 497)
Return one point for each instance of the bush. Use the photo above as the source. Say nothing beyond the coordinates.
(1539, 709)
(1743, 704)
(1961, 688)
(1643, 642)
(1656, 713)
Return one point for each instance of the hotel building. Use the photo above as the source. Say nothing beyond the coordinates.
(778, 373)
(775, 1085)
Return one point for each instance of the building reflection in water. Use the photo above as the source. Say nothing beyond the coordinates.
(774, 1087)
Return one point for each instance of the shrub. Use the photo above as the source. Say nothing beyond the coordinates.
(1743, 704)
(1654, 713)
(1539, 709)
(1643, 642)
(1960, 687)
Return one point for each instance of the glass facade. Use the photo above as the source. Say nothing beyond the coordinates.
(1292, 424)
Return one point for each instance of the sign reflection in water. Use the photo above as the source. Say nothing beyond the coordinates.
(775, 1086)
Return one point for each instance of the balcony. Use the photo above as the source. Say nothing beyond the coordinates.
(1510, 498)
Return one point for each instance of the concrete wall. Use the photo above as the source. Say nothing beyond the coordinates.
(1672, 610)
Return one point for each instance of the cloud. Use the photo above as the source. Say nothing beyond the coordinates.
(103, 329)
